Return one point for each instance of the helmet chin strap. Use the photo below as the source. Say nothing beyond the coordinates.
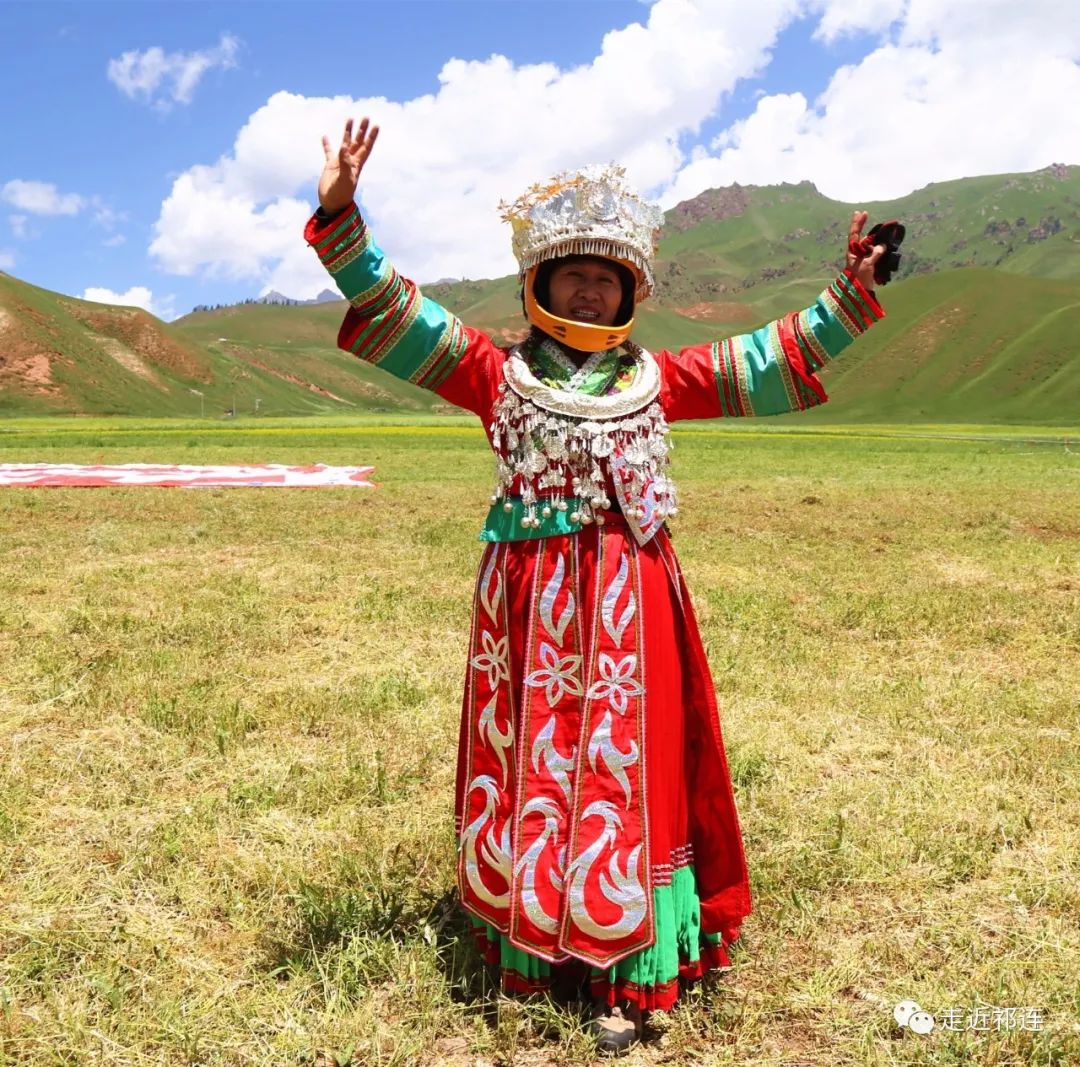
(582, 336)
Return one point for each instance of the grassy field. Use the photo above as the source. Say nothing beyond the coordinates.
(228, 721)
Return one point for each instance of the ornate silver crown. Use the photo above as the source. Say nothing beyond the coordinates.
(592, 212)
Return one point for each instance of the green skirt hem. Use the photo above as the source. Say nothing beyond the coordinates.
(648, 978)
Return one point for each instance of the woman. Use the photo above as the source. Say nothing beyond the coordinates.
(596, 819)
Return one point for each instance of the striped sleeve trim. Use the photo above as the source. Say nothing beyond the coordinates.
(388, 288)
(395, 340)
(865, 303)
(729, 370)
(396, 309)
(349, 255)
(779, 357)
(342, 242)
(853, 307)
(837, 308)
(740, 374)
(720, 378)
(389, 323)
(817, 355)
(444, 357)
(798, 366)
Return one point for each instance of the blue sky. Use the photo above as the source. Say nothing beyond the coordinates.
(166, 153)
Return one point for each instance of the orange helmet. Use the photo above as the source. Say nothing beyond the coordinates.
(583, 336)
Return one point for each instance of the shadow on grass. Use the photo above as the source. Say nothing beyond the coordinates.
(352, 939)
(419, 948)
(347, 944)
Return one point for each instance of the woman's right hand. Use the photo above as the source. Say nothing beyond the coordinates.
(341, 173)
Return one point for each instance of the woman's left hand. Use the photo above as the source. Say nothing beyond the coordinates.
(859, 263)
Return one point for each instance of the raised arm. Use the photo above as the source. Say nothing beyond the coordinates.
(773, 369)
(390, 324)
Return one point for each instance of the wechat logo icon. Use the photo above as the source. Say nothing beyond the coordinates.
(909, 1015)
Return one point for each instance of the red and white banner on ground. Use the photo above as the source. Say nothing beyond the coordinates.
(41, 475)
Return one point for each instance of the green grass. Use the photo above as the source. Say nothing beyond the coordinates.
(229, 720)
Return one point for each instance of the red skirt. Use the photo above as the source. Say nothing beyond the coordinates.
(591, 764)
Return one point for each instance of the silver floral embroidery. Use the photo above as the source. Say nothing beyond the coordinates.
(494, 659)
(616, 682)
(558, 676)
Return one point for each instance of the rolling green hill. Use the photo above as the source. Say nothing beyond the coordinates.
(59, 355)
(965, 346)
(982, 320)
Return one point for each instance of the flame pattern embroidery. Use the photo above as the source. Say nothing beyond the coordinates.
(621, 888)
(526, 866)
(551, 711)
(494, 850)
(554, 851)
(616, 761)
(555, 763)
(611, 597)
(498, 741)
(491, 587)
(547, 603)
(608, 882)
(485, 855)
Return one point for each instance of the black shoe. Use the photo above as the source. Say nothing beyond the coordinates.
(617, 1028)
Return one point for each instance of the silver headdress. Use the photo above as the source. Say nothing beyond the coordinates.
(592, 212)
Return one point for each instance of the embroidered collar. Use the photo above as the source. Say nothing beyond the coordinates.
(552, 366)
(640, 390)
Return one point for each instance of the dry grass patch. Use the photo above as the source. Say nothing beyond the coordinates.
(230, 721)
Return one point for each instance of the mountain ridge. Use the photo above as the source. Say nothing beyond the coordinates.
(729, 259)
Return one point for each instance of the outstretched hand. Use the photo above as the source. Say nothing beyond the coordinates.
(341, 172)
(860, 258)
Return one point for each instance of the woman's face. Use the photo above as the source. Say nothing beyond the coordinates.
(585, 290)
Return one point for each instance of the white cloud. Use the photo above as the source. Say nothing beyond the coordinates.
(41, 198)
(104, 216)
(1044, 27)
(858, 16)
(137, 296)
(165, 78)
(115, 241)
(917, 109)
(444, 160)
(7, 259)
(18, 225)
(952, 94)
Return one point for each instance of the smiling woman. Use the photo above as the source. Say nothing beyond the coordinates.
(599, 844)
(587, 289)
